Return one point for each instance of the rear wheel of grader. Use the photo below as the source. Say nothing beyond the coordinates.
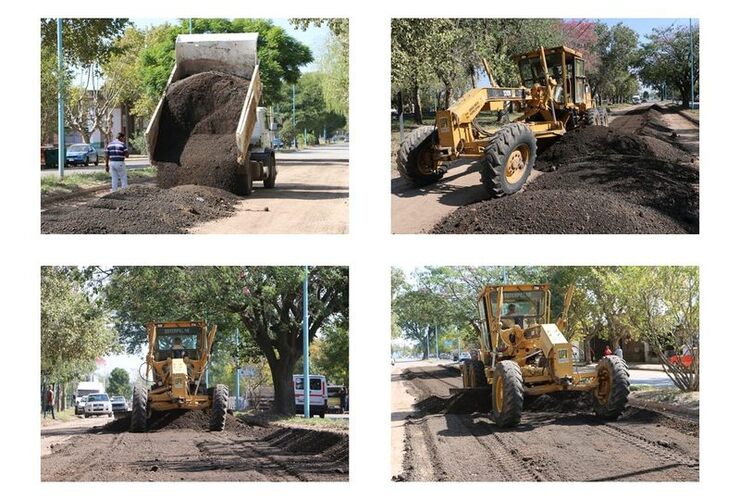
(139, 411)
(218, 409)
(478, 373)
(610, 397)
(415, 159)
(508, 159)
(508, 394)
(593, 117)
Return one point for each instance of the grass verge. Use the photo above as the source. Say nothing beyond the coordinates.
(295, 421)
(52, 185)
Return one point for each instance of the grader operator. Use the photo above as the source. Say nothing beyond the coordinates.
(553, 98)
(522, 353)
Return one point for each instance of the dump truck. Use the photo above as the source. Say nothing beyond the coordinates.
(522, 353)
(232, 54)
(176, 363)
(553, 98)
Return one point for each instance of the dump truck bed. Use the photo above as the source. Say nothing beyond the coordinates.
(234, 54)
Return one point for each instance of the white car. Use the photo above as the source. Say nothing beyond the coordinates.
(80, 405)
(464, 356)
(98, 404)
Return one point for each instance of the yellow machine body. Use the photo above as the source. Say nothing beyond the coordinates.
(528, 337)
(177, 371)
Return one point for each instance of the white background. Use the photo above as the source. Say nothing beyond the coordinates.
(369, 249)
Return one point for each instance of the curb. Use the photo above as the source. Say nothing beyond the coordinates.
(690, 118)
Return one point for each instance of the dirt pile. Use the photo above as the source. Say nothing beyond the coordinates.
(196, 143)
(604, 182)
(560, 402)
(331, 445)
(142, 209)
(176, 420)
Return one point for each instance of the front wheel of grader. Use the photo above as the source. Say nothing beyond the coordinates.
(610, 396)
(508, 159)
(508, 394)
(139, 410)
(219, 407)
(415, 158)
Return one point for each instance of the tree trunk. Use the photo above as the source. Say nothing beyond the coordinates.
(448, 95)
(282, 382)
(418, 118)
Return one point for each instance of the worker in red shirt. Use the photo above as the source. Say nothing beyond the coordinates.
(49, 402)
(607, 351)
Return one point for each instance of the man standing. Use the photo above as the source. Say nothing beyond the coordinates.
(115, 156)
(49, 402)
(618, 351)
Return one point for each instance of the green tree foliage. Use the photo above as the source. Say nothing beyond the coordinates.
(119, 383)
(74, 328)
(330, 354)
(666, 60)
(281, 56)
(616, 49)
(264, 302)
(312, 111)
(333, 63)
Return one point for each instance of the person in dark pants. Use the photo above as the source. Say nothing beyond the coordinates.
(49, 402)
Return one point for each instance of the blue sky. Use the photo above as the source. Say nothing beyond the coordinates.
(314, 38)
(644, 26)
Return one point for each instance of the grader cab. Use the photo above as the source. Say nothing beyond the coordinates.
(523, 353)
(553, 98)
(176, 362)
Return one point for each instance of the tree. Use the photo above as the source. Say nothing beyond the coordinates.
(74, 328)
(119, 383)
(312, 112)
(331, 357)
(265, 302)
(617, 52)
(666, 60)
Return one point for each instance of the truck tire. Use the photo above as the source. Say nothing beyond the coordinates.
(593, 117)
(508, 394)
(478, 372)
(272, 173)
(414, 159)
(244, 180)
(139, 411)
(219, 407)
(508, 159)
(610, 397)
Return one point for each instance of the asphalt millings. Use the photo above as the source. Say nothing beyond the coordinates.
(597, 181)
(196, 142)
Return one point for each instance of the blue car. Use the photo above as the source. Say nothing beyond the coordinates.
(81, 154)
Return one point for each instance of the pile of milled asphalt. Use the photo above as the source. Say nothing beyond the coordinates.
(142, 209)
(597, 181)
(196, 142)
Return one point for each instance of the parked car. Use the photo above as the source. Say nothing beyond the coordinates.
(119, 404)
(318, 394)
(463, 356)
(98, 404)
(80, 405)
(81, 154)
(277, 143)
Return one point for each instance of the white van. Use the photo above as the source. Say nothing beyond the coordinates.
(318, 394)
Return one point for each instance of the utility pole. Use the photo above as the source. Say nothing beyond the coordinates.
(190, 25)
(436, 340)
(62, 154)
(428, 328)
(237, 369)
(691, 58)
(400, 117)
(306, 357)
(295, 143)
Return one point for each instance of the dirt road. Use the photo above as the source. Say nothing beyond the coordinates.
(240, 453)
(547, 446)
(311, 196)
(418, 210)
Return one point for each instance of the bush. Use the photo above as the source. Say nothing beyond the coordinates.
(137, 143)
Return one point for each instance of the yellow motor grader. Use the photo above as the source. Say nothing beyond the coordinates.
(523, 354)
(176, 363)
(554, 97)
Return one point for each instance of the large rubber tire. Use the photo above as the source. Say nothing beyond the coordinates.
(269, 182)
(508, 389)
(478, 373)
(139, 412)
(511, 139)
(219, 407)
(610, 398)
(415, 149)
(244, 180)
(593, 117)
